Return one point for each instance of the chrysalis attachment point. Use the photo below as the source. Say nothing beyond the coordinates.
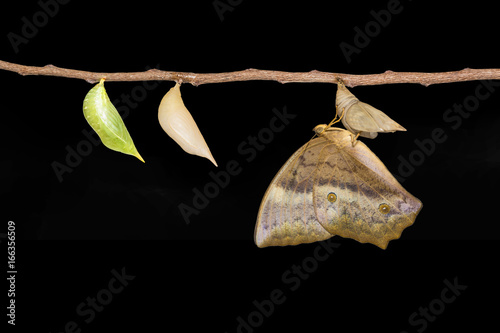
(178, 123)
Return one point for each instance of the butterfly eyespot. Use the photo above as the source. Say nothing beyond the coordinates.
(332, 197)
(384, 208)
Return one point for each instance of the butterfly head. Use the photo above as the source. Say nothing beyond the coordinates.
(319, 129)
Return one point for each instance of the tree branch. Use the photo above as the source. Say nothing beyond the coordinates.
(351, 80)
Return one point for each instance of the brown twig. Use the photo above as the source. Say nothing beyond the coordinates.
(388, 77)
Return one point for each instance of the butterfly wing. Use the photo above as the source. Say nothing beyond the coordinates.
(287, 215)
(330, 188)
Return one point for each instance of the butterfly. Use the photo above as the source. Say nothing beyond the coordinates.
(330, 187)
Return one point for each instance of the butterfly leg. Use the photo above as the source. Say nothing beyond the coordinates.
(320, 129)
(354, 139)
(336, 119)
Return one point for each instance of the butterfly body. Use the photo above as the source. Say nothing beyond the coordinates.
(330, 187)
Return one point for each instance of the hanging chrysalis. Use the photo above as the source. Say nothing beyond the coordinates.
(360, 118)
(103, 117)
(176, 120)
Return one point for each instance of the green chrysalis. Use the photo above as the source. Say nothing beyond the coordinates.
(103, 117)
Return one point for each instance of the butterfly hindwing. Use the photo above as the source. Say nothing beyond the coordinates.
(364, 185)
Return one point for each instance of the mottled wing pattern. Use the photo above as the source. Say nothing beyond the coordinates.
(287, 215)
(330, 188)
(371, 205)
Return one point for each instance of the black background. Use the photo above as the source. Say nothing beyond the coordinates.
(112, 211)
